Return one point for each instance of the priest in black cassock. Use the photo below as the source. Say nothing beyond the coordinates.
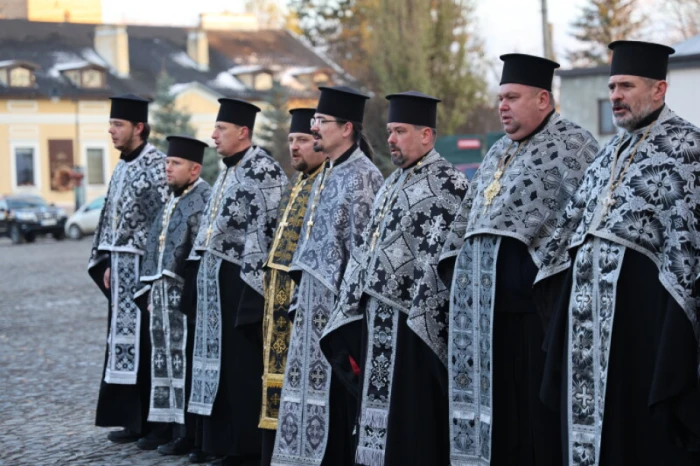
(495, 356)
(232, 245)
(393, 307)
(622, 361)
(279, 286)
(317, 411)
(169, 244)
(136, 193)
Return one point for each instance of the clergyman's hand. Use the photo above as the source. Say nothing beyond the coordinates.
(107, 277)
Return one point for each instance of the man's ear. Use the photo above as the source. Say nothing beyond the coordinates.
(138, 128)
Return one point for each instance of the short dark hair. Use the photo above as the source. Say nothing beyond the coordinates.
(432, 130)
(146, 132)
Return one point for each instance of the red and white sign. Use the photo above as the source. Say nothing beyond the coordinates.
(465, 144)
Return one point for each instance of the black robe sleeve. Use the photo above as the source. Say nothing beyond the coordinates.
(188, 301)
(343, 349)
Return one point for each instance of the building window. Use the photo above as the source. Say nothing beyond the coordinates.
(73, 76)
(246, 79)
(3, 77)
(93, 79)
(605, 118)
(21, 77)
(322, 79)
(24, 166)
(95, 166)
(263, 81)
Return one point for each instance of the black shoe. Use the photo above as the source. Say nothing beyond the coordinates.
(177, 447)
(151, 443)
(122, 436)
(223, 461)
(198, 456)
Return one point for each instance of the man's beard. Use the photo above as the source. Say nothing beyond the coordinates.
(318, 145)
(631, 122)
(300, 166)
(399, 159)
(127, 146)
(174, 186)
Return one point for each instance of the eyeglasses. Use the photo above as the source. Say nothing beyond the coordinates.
(319, 121)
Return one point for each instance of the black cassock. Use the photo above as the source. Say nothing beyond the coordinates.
(137, 189)
(417, 433)
(523, 427)
(124, 405)
(231, 430)
(525, 430)
(652, 401)
(622, 347)
(391, 318)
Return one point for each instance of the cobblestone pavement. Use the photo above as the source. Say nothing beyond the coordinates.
(52, 329)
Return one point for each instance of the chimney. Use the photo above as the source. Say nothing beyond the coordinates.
(112, 44)
(198, 48)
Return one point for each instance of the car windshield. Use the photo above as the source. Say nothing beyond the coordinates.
(26, 202)
(96, 204)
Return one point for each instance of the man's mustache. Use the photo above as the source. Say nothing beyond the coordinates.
(620, 106)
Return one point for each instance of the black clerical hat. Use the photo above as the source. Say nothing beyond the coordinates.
(413, 108)
(236, 111)
(529, 70)
(301, 120)
(187, 148)
(342, 102)
(129, 107)
(644, 59)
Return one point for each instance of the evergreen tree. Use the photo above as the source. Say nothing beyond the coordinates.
(338, 28)
(274, 130)
(211, 165)
(602, 22)
(167, 120)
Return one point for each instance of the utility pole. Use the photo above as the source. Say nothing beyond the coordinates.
(546, 33)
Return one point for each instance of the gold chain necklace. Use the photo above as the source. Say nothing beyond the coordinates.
(312, 214)
(168, 214)
(495, 186)
(292, 197)
(613, 184)
(385, 206)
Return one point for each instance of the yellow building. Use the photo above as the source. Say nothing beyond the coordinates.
(56, 78)
(74, 11)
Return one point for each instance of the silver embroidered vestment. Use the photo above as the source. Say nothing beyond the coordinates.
(170, 240)
(340, 217)
(397, 274)
(136, 193)
(237, 226)
(536, 185)
(655, 212)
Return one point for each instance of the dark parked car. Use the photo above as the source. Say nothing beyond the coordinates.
(23, 217)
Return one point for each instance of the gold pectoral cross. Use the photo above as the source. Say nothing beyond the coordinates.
(493, 189)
